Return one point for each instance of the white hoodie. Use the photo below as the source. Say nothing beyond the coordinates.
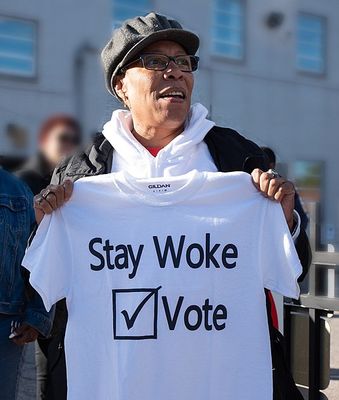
(186, 152)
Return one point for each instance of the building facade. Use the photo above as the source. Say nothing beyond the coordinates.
(269, 69)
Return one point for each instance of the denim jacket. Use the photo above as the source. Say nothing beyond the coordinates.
(17, 297)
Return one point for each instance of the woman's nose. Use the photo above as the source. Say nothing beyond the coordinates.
(173, 71)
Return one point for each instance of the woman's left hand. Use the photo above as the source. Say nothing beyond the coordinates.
(25, 334)
(278, 189)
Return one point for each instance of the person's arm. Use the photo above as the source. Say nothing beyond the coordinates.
(283, 191)
(303, 248)
(296, 226)
(299, 208)
(36, 319)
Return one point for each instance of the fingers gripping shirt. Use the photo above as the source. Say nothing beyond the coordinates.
(275, 235)
(162, 278)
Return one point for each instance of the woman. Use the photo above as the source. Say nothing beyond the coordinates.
(149, 64)
(58, 137)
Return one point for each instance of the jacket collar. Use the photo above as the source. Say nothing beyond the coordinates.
(229, 150)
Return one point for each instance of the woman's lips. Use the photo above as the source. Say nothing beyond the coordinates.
(172, 99)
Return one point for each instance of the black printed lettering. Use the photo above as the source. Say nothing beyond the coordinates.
(172, 321)
(200, 252)
(96, 254)
(188, 312)
(229, 251)
(194, 316)
(107, 249)
(121, 259)
(207, 308)
(169, 247)
(135, 259)
(210, 252)
(220, 313)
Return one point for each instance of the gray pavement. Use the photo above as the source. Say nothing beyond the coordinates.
(332, 392)
(27, 382)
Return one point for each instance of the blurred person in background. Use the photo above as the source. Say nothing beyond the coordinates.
(22, 314)
(58, 138)
(297, 201)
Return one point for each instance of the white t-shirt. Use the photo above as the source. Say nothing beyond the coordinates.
(164, 280)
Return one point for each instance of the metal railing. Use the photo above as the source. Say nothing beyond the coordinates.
(319, 298)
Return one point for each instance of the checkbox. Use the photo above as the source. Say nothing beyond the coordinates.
(135, 313)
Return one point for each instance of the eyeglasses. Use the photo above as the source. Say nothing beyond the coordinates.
(159, 62)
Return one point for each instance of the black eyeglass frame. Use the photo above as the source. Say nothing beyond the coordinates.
(169, 58)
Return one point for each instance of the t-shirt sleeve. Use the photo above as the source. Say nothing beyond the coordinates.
(278, 260)
(49, 259)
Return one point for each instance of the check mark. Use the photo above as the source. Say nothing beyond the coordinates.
(131, 320)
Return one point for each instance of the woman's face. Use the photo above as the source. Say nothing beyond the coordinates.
(144, 90)
(59, 142)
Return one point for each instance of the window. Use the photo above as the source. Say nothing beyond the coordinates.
(125, 9)
(17, 47)
(228, 28)
(311, 44)
(309, 177)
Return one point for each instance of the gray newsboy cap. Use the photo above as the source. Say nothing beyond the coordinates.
(134, 35)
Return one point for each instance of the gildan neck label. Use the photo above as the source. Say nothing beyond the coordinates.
(161, 191)
(160, 187)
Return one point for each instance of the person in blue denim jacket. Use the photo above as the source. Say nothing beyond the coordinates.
(22, 313)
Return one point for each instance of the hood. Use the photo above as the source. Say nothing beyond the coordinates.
(178, 157)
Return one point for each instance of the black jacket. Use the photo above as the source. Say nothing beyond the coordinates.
(229, 150)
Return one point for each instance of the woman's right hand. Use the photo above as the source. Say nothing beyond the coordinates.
(51, 198)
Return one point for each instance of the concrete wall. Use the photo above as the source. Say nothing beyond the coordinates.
(265, 97)
(64, 28)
